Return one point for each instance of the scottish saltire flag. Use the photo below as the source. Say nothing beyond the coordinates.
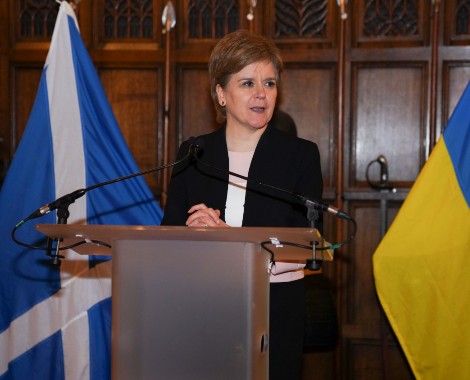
(55, 321)
(422, 266)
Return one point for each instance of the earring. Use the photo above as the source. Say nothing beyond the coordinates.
(222, 103)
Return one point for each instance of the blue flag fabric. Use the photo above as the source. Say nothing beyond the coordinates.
(55, 322)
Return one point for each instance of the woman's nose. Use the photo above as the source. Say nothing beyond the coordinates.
(260, 92)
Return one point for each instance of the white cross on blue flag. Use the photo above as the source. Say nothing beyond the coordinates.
(55, 321)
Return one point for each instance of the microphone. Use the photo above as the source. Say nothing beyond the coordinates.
(68, 199)
(322, 207)
(196, 146)
(65, 200)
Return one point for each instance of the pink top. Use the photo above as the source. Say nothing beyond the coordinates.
(239, 162)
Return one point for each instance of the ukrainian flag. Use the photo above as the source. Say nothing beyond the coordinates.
(422, 265)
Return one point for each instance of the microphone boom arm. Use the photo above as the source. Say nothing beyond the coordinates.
(62, 204)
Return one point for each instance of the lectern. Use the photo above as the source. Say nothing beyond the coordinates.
(188, 303)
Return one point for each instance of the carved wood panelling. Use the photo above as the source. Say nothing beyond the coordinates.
(367, 335)
(318, 365)
(36, 19)
(458, 20)
(462, 18)
(195, 103)
(25, 86)
(458, 77)
(302, 24)
(212, 18)
(308, 94)
(123, 19)
(360, 295)
(127, 24)
(366, 361)
(380, 94)
(134, 96)
(301, 18)
(394, 22)
(391, 18)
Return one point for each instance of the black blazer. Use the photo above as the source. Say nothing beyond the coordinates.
(280, 160)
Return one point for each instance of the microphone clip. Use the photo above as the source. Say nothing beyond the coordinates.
(320, 206)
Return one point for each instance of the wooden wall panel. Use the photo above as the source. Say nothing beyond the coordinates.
(135, 98)
(195, 107)
(367, 361)
(391, 23)
(365, 331)
(388, 108)
(360, 298)
(308, 95)
(318, 365)
(457, 20)
(24, 88)
(458, 75)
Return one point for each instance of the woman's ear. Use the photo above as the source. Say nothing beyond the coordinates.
(220, 95)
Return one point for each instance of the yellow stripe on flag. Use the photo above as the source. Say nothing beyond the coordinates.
(422, 273)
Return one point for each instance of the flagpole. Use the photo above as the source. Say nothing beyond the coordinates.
(434, 74)
(340, 131)
(169, 20)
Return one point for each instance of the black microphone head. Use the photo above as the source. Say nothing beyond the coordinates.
(196, 145)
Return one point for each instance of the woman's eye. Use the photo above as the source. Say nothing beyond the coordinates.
(270, 83)
(248, 83)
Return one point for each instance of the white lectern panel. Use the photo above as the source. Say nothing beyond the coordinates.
(190, 310)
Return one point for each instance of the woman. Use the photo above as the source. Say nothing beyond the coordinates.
(245, 70)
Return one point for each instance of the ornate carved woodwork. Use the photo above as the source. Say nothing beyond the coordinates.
(391, 18)
(129, 19)
(36, 19)
(212, 18)
(301, 18)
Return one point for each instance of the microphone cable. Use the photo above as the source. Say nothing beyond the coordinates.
(330, 246)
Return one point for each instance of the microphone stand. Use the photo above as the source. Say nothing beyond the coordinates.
(312, 215)
(63, 214)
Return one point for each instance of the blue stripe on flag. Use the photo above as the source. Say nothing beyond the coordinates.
(456, 137)
(99, 319)
(40, 362)
(26, 187)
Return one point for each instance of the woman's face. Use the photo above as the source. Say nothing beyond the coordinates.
(250, 96)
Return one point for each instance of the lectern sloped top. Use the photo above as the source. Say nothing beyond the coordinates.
(108, 234)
